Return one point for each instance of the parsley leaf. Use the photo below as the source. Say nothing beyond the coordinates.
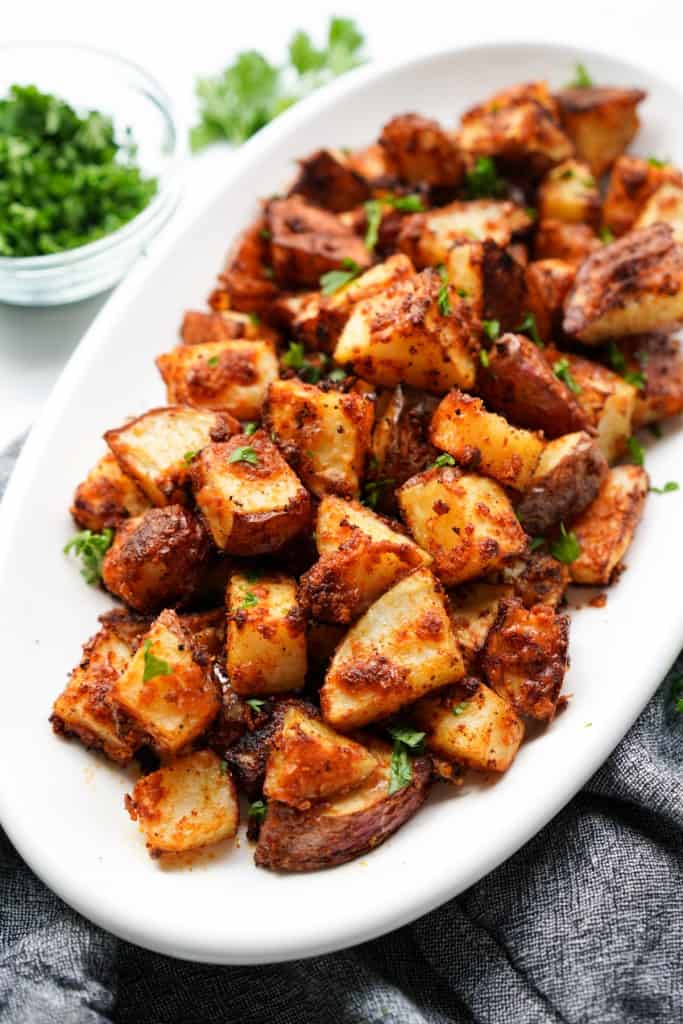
(460, 708)
(581, 79)
(443, 298)
(333, 280)
(406, 734)
(636, 450)
(491, 328)
(562, 372)
(213, 361)
(443, 460)
(337, 375)
(189, 457)
(566, 548)
(249, 428)
(254, 318)
(482, 180)
(406, 204)
(294, 356)
(616, 357)
(153, 666)
(484, 358)
(373, 490)
(244, 454)
(636, 378)
(529, 327)
(91, 548)
(250, 600)
(257, 810)
(656, 162)
(677, 692)
(401, 772)
(295, 359)
(668, 487)
(373, 217)
(254, 703)
(606, 235)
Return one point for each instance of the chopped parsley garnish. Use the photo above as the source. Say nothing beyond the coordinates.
(373, 491)
(268, 272)
(405, 734)
(566, 548)
(636, 451)
(295, 359)
(91, 548)
(65, 180)
(443, 298)
(491, 328)
(563, 372)
(223, 767)
(250, 600)
(250, 428)
(337, 375)
(482, 181)
(443, 460)
(606, 235)
(251, 92)
(255, 319)
(529, 327)
(373, 217)
(153, 666)
(656, 162)
(264, 233)
(254, 703)
(189, 457)
(581, 79)
(333, 280)
(636, 378)
(257, 810)
(244, 454)
(484, 358)
(406, 204)
(406, 739)
(213, 361)
(536, 543)
(668, 487)
(461, 708)
(616, 357)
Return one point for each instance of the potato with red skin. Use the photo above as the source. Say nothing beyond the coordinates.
(422, 151)
(473, 610)
(401, 446)
(518, 382)
(655, 358)
(338, 830)
(307, 242)
(535, 577)
(571, 243)
(632, 183)
(606, 528)
(158, 559)
(525, 657)
(247, 283)
(107, 497)
(600, 121)
(548, 282)
(328, 179)
(491, 281)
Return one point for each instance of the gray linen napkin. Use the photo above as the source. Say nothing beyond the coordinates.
(583, 925)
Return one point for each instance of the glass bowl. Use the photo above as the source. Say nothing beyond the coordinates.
(92, 79)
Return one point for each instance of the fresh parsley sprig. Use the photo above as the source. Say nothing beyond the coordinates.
(90, 547)
(581, 79)
(406, 740)
(529, 327)
(334, 280)
(563, 372)
(244, 454)
(153, 666)
(482, 181)
(566, 547)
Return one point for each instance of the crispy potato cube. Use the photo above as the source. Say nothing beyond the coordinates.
(156, 449)
(600, 121)
(346, 826)
(400, 441)
(428, 237)
(491, 281)
(632, 182)
(323, 434)
(421, 151)
(665, 206)
(536, 578)
(632, 286)
(470, 724)
(362, 555)
(571, 243)
(230, 375)
(83, 709)
(519, 383)
(485, 442)
(402, 648)
(247, 281)
(568, 476)
(606, 398)
(465, 522)
(252, 501)
(327, 179)
(164, 690)
(317, 320)
(107, 497)
(605, 529)
(569, 193)
(189, 803)
(525, 657)
(519, 126)
(548, 283)
(658, 358)
(158, 559)
(199, 328)
(307, 241)
(266, 635)
(406, 335)
(474, 607)
(309, 761)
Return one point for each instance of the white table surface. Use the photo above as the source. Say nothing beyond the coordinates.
(177, 42)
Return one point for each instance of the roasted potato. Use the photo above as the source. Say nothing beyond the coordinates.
(411, 334)
(188, 803)
(632, 286)
(600, 121)
(307, 242)
(548, 283)
(536, 578)
(308, 761)
(571, 243)
(199, 328)
(252, 501)
(568, 476)
(427, 238)
(323, 434)
(632, 183)
(158, 559)
(470, 724)
(474, 607)
(485, 442)
(335, 831)
(664, 207)
(327, 179)
(490, 279)
(156, 449)
(402, 648)
(421, 151)
(164, 689)
(83, 709)
(518, 383)
(107, 497)
(372, 163)
(525, 657)
(569, 193)
(464, 521)
(266, 635)
(230, 375)
(605, 529)
(400, 440)
(247, 283)
(656, 364)
(362, 555)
